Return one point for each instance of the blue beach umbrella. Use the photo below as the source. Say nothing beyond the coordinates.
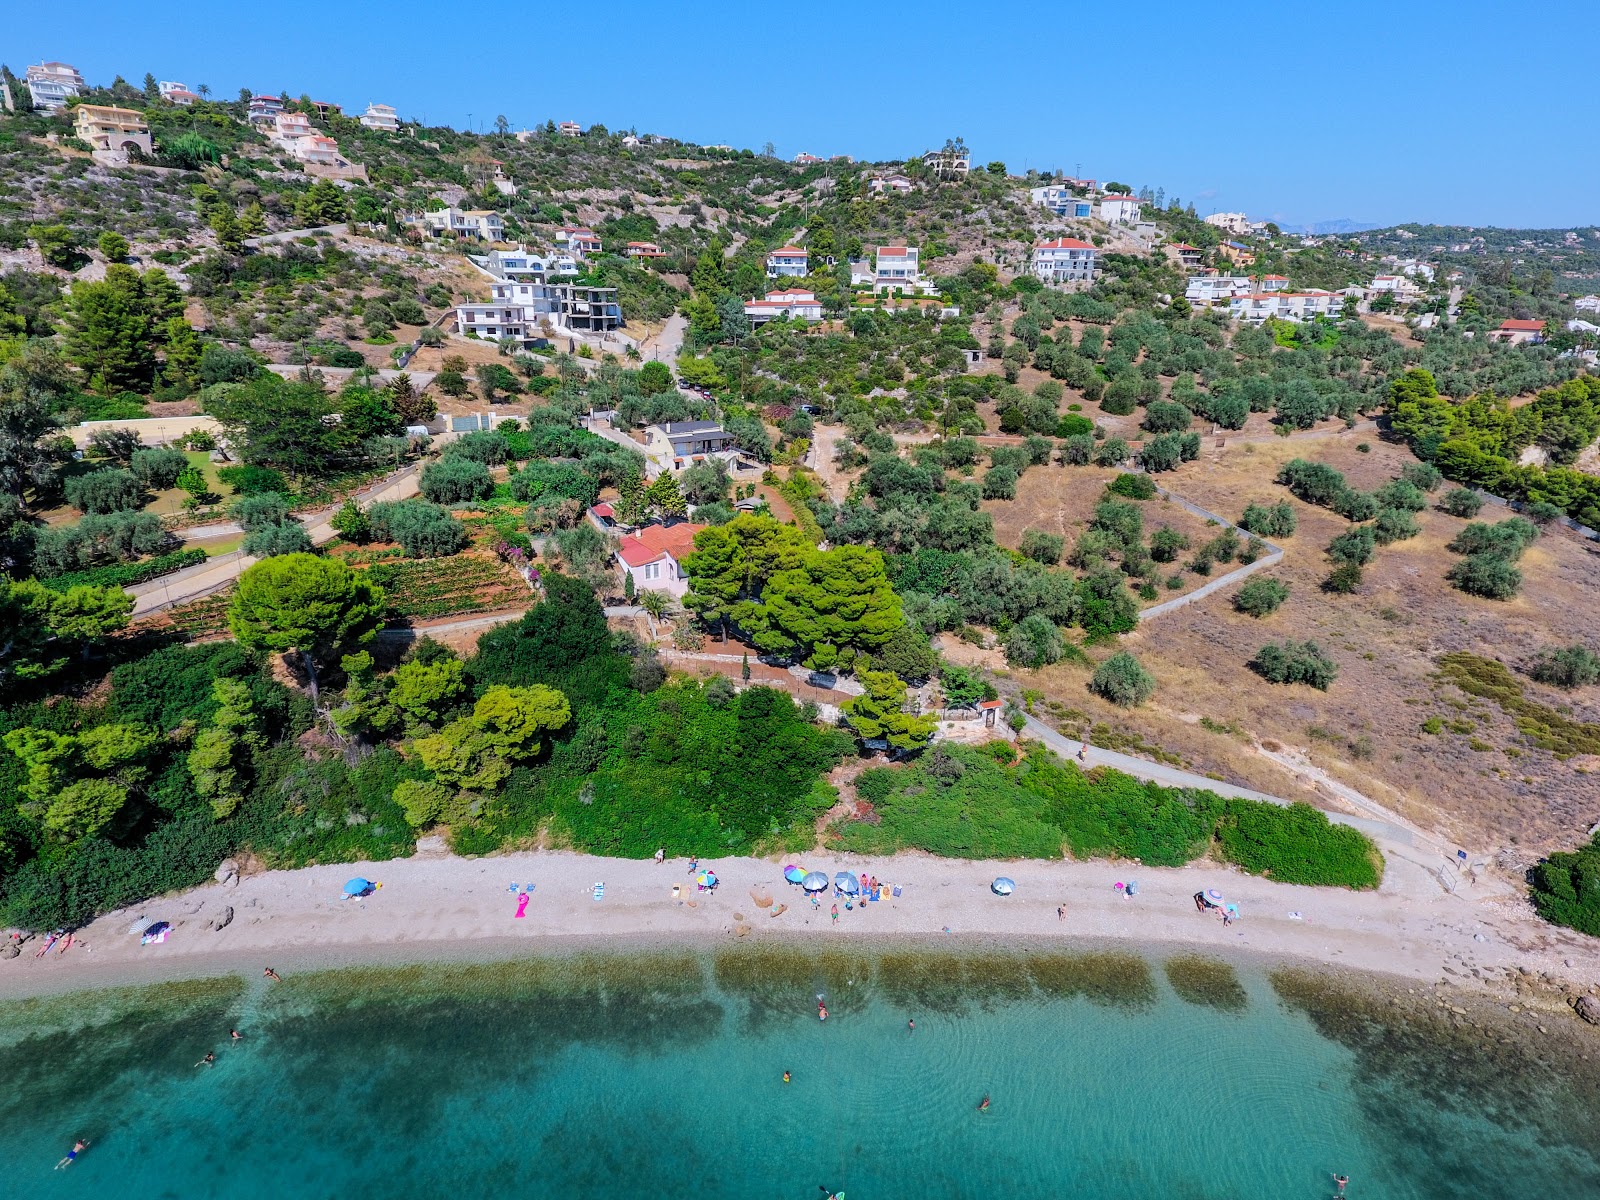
(1002, 886)
(815, 881)
(358, 887)
(794, 874)
(847, 883)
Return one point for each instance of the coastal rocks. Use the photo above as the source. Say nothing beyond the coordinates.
(228, 873)
(223, 921)
(1587, 1007)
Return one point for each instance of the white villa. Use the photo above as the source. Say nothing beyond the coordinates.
(531, 303)
(52, 84)
(654, 556)
(893, 183)
(787, 261)
(949, 163)
(1060, 200)
(264, 108)
(1405, 291)
(1063, 260)
(484, 224)
(1218, 289)
(793, 303)
(896, 267)
(578, 239)
(1587, 304)
(570, 129)
(381, 116)
(176, 93)
(1119, 210)
(677, 445)
(1234, 222)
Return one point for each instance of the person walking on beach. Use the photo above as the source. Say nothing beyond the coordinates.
(694, 864)
(271, 974)
(661, 856)
(1061, 912)
(1083, 749)
(78, 1147)
(836, 914)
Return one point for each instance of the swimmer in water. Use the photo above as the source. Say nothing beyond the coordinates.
(78, 1147)
(983, 1105)
(235, 1036)
(911, 1026)
(822, 1011)
(210, 1060)
(786, 1077)
(1340, 1181)
(269, 973)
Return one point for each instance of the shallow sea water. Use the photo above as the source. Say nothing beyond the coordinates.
(1110, 1076)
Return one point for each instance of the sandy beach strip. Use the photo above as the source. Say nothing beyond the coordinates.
(437, 905)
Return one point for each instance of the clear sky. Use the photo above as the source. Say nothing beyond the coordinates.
(1376, 110)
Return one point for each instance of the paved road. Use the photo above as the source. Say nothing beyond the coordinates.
(289, 235)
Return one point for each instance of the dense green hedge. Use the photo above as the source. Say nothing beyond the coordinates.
(1566, 889)
(962, 803)
(128, 574)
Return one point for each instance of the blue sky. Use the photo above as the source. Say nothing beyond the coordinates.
(1466, 113)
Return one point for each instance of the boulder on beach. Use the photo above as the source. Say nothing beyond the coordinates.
(229, 870)
(1588, 1007)
(225, 919)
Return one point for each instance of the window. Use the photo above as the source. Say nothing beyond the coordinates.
(652, 570)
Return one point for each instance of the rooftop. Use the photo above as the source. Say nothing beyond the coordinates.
(683, 428)
(654, 541)
(1064, 243)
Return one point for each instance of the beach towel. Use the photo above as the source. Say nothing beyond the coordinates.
(599, 891)
(896, 891)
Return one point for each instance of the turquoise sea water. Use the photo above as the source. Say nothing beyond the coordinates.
(1111, 1076)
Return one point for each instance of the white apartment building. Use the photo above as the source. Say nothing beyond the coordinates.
(1119, 210)
(1587, 304)
(481, 223)
(579, 240)
(1063, 260)
(520, 264)
(1217, 289)
(1286, 306)
(1060, 200)
(381, 116)
(893, 183)
(1272, 283)
(52, 84)
(531, 310)
(1234, 222)
(805, 160)
(949, 164)
(787, 261)
(790, 303)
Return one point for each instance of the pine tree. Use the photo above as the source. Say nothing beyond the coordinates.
(253, 221)
(230, 238)
(631, 505)
(666, 497)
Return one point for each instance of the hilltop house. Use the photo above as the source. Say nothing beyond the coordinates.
(112, 133)
(519, 264)
(677, 445)
(787, 261)
(644, 250)
(578, 239)
(1587, 304)
(1063, 260)
(794, 303)
(654, 556)
(896, 267)
(529, 306)
(381, 116)
(1119, 210)
(176, 93)
(288, 128)
(1188, 255)
(570, 129)
(949, 163)
(805, 160)
(1060, 200)
(1237, 253)
(1403, 289)
(1235, 223)
(52, 84)
(326, 108)
(264, 109)
(893, 183)
(1217, 289)
(481, 223)
(1518, 333)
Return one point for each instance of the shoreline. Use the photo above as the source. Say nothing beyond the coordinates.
(437, 907)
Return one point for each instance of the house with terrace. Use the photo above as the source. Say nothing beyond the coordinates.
(653, 557)
(791, 303)
(787, 261)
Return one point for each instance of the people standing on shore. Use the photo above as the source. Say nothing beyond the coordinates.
(1061, 912)
(78, 1147)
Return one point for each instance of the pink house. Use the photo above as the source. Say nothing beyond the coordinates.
(654, 557)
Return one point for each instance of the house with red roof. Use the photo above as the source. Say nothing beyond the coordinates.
(1518, 332)
(654, 556)
(644, 250)
(788, 261)
(794, 303)
(1063, 260)
(579, 240)
(1188, 255)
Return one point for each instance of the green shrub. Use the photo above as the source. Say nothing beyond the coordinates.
(456, 480)
(1570, 667)
(1166, 544)
(1165, 452)
(1297, 844)
(128, 574)
(1461, 502)
(1000, 483)
(1035, 641)
(1356, 506)
(252, 481)
(1489, 575)
(262, 510)
(1162, 416)
(158, 468)
(1355, 546)
(1077, 450)
(487, 446)
(1134, 487)
(566, 480)
(1400, 494)
(1041, 546)
(1295, 662)
(1344, 580)
(422, 528)
(1261, 596)
(1315, 483)
(108, 490)
(1112, 452)
(1270, 521)
(1072, 425)
(268, 541)
(1394, 525)
(1123, 681)
(1566, 889)
(1423, 476)
(1508, 538)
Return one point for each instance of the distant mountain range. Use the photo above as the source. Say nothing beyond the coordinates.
(1324, 228)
